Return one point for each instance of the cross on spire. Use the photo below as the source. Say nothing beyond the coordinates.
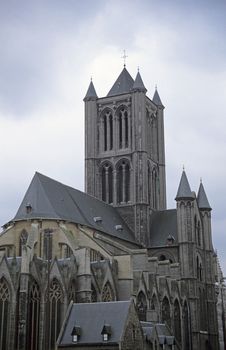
(124, 57)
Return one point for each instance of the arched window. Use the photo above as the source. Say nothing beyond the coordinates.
(123, 182)
(107, 293)
(55, 312)
(23, 241)
(33, 316)
(199, 233)
(177, 321)
(186, 328)
(166, 312)
(123, 128)
(149, 184)
(4, 312)
(107, 183)
(154, 189)
(107, 127)
(141, 306)
(162, 257)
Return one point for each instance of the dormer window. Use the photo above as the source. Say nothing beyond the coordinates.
(76, 332)
(106, 332)
(28, 208)
(170, 239)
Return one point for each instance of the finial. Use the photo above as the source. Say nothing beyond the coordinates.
(155, 86)
(138, 68)
(183, 168)
(91, 78)
(124, 57)
(200, 180)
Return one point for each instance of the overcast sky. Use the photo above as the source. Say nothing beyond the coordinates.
(50, 49)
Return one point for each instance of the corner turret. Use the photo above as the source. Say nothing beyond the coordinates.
(91, 93)
(138, 84)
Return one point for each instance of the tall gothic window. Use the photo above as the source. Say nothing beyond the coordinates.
(4, 312)
(33, 316)
(186, 328)
(141, 306)
(107, 293)
(177, 321)
(154, 188)
(166, 312)
(149, 184)
(123, 182)
(55, 312)
(107, 126)
(123, 128)
(107, 183)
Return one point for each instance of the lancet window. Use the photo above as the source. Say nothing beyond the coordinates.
(149, 184)
(124, 128)
(123, 182)
(4, 312)
(154, 188)
(33, 316)
(55, 312)
(107, 293)
(107, 183)
(107, 130)
(177, 321)
(141, 306)
(166, 312)
(186, 327)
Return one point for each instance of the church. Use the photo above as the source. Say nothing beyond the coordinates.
(114, 247)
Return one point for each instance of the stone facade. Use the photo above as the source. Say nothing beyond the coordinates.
(49, 257)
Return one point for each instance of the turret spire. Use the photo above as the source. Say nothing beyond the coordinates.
(91, 92)
(184, 190)
(138, 83)
(202, 199)
(156, 99)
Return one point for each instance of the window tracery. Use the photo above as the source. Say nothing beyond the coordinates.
(166, 312)
(107, 293)
(55, 310)
(177, 321)
(107, 130)
(107, 183)
(141, 306)
(33, 316)
(123, 128)
(4, 312)
(123, 182)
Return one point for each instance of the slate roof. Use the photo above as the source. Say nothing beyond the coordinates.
(91, 317)
(138, 84)
(51, 199)
(163, 223)
(123, 84)
(202, 199)
(184, 190)
(156, 99)
(91, 92)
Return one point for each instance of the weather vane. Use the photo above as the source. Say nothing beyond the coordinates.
(124, 57)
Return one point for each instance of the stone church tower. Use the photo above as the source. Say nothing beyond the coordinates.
(125, 152)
